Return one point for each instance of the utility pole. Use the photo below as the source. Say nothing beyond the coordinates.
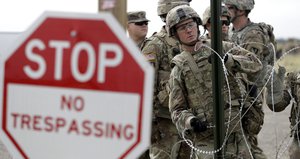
(117, 7)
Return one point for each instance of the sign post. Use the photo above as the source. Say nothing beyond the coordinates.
(74, 86)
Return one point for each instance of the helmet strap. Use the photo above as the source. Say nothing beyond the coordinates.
(232, 19)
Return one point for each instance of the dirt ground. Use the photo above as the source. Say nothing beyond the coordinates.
(273, 138)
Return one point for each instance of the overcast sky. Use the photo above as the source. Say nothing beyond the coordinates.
(17, 15)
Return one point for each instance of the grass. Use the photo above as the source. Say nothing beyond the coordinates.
(291, 62)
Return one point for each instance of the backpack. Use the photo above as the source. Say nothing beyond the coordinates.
(267, 30)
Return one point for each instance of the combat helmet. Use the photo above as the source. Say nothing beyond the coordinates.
(207, 14)
(241, 4)
(178, 14)
(164, 6)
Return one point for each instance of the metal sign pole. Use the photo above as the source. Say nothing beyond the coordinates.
(117, 7)
(217, 77)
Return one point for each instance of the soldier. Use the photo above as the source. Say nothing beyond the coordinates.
(257, 38)
(190, 99)
(137, 27)
(165, 141)
(225, 19)
(286, 91)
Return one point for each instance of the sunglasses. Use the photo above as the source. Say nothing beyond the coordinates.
(141, 23)
(224, 22)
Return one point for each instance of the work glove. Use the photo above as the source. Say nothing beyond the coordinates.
(198, 125)
(278, 86)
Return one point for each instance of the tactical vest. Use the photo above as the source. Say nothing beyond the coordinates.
(198, 90)
(269, 39)
(169, 47)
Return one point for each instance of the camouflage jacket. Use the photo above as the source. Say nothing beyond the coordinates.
(256, 38)
(142, 44)
(159, 51)
(191, 96)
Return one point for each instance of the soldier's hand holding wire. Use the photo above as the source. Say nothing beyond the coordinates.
(198, 125)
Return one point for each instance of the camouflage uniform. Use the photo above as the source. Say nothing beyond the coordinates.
(254, 118)
(282, 99)
(142, 44)
(253, 37)
(191, 90)
(159, 51)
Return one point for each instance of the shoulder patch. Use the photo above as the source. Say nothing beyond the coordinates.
(150, 52)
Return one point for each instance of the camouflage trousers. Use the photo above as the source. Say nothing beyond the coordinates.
(252, 125)
(294, 150)
(235, 148)
(166, 142)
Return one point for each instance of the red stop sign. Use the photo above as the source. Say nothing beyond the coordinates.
(74, 86)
